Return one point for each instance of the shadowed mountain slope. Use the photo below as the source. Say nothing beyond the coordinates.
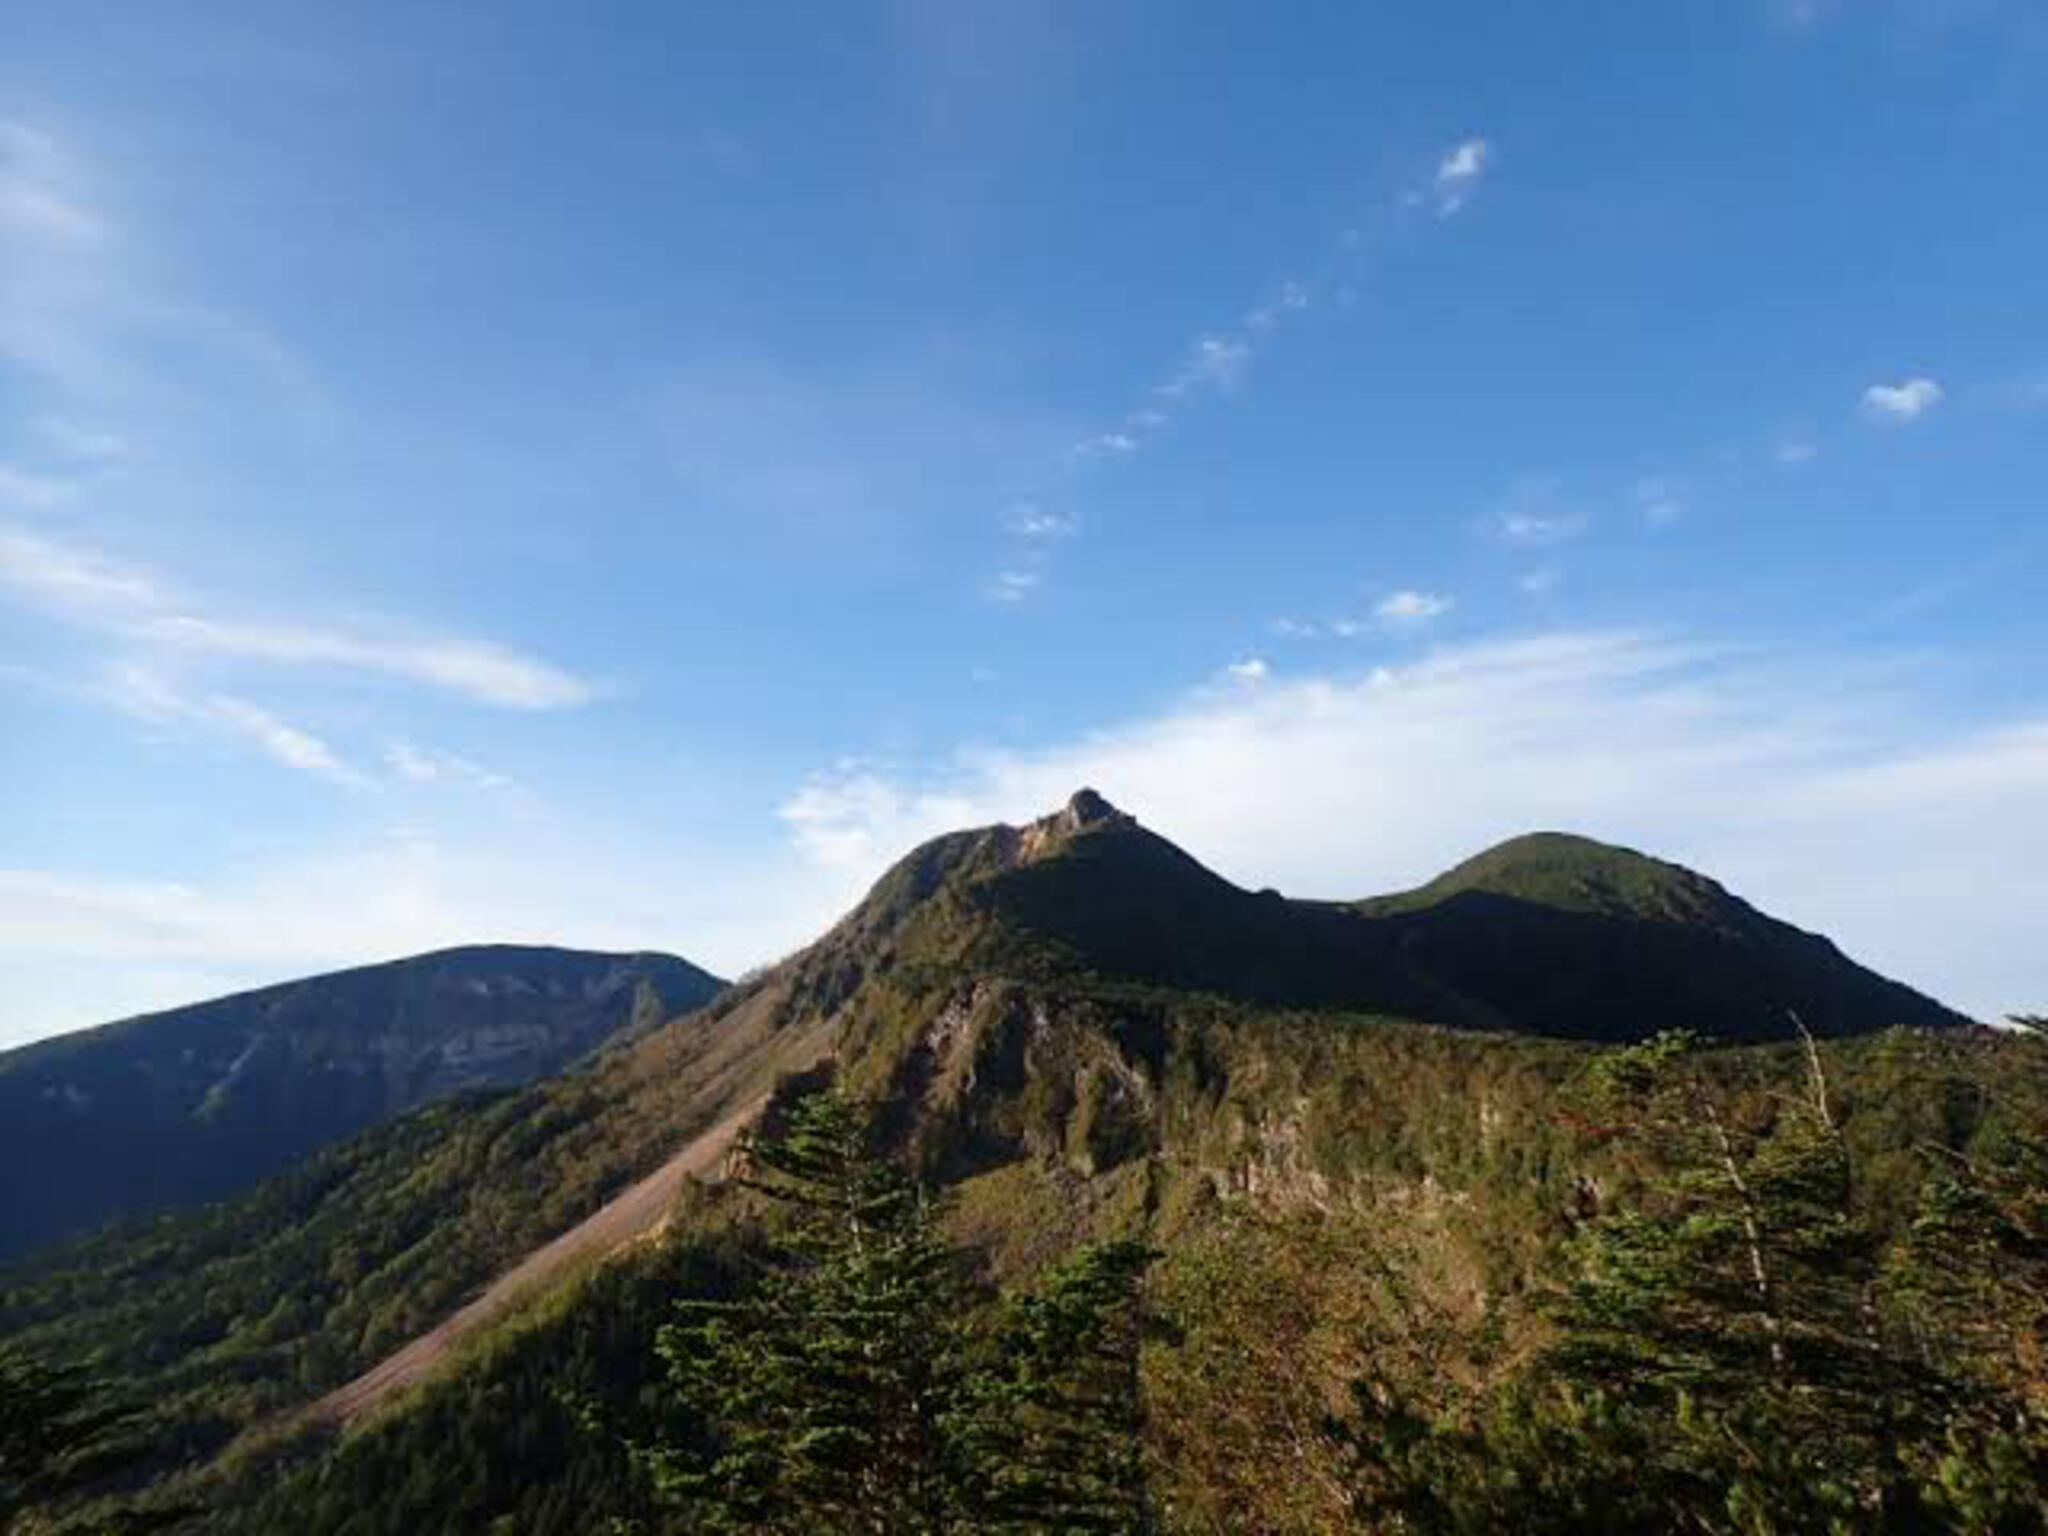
(199, 1102)
(1547, 934)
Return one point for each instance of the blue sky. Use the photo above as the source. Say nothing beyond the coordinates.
(482, 472)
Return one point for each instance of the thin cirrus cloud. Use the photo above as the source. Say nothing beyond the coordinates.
(38, 200)
(28, 488)
(131, 605)
(424, 765)
(141, 691)
(479, 670)
(1216, 362)
(1901, 403)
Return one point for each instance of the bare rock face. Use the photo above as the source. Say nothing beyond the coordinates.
(1087, 811)
(1087, 808)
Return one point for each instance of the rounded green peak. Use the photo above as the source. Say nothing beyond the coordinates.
(1577, 874)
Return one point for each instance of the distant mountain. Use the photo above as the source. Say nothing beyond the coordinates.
(202, 1101)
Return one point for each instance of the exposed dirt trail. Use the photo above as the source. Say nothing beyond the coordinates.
(635, 1210)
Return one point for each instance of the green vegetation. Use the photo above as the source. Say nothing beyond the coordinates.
(61, 1434)
(1409, 1275)
(1744, 1350)
(848, 1388)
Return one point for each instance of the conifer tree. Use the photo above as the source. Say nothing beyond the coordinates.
(822, 1391)
(849, 1388)
(1721, 1361)
(60, 1433)
(1050, 1421)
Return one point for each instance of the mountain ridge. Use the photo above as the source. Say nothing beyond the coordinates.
(1549, 933)
(195, 1102)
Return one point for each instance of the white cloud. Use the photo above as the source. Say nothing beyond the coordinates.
(1292, 296)
(131, 605)
(476, 669)
(1533, 514)
(1214, 363)
(1294, 629)
(1801, 787)
(25, 488)
(1013, 586)
(39, 200)
(1408, 609)
(1534, 528)
(1902, 402)
(145, 693)
(1252, 669)
(1028, 520)
(1457, 175)
(1540, 581)
(1661, 502)
(425, 765)
(67, 576)
(282, 741)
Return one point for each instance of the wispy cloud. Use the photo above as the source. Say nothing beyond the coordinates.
(142, 691)
(1107, 443)
(1661, 502)
(69, 577)
(1216, 362)
(1796, 451)
(282, 741)
(1252, 669)
(1263, 317)
(1903, 402)
(479, 670)
(1534, 514)
(26, 488)
(1410, 609)
(425, 765)
(1029, 520)
(38, 197)
(131, 605)
(1014, 585)
(1458, 174)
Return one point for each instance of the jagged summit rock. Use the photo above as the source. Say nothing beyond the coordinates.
(1087, 807)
